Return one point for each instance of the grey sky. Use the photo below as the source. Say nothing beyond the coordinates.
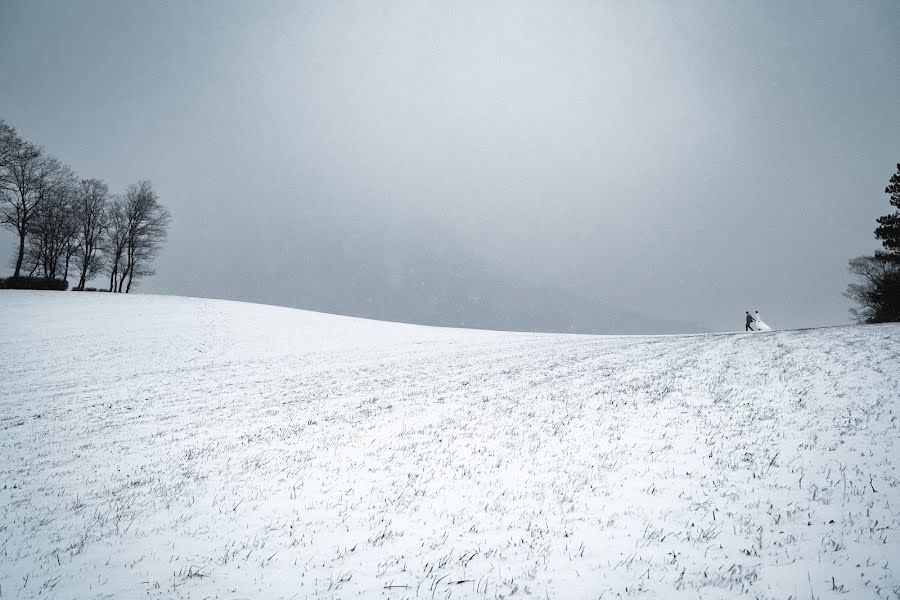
(442, 162)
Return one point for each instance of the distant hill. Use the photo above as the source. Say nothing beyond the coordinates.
(443, 286)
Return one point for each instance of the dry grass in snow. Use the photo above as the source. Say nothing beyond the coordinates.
(168, 447)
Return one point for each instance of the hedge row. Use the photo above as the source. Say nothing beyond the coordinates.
(33, 283)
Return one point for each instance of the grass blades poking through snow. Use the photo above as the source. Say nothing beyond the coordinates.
(181, 448)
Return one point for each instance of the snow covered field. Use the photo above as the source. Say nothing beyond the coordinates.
(169, 447)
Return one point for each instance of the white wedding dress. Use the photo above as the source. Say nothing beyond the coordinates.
(758, 324)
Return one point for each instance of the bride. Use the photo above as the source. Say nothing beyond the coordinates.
(759, 324)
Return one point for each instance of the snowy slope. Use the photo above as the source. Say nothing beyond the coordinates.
(168, 447)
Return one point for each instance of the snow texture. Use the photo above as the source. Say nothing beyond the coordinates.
(162, 447)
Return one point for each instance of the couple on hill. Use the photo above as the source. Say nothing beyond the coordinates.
(755, 323)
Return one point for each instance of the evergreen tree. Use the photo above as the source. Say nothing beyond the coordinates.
(888, 230)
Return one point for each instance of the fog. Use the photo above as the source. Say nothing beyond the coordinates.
(595, 167)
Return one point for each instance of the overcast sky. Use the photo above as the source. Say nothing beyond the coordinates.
(554, 165)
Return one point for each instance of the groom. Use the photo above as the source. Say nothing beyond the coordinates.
(749, 322)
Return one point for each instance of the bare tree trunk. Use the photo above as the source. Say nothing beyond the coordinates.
(21, 256)
(129, 271)
(112, 277)
(85, 264)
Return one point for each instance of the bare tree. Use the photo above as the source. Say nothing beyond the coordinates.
(147, 224)
(24, 177)
(876, 289)
(72, 243)
(114, 239)
(91, 218)
(9, 142)
(51, 228)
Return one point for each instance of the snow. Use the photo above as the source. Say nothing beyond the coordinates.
(166, 447)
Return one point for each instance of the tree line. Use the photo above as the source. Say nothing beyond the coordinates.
(876, 289)
(66, 224)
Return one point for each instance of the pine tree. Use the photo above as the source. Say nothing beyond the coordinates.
(888, 230)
